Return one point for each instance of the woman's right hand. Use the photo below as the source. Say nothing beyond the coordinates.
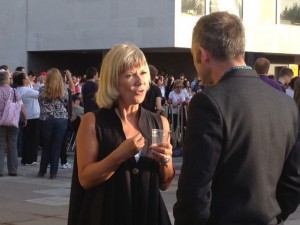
(91, 171)
(131, 146)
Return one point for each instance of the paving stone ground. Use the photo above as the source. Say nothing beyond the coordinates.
(30, 200)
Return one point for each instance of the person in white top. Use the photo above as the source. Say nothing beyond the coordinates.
(177, 97)
(187, 89)
(31, 131)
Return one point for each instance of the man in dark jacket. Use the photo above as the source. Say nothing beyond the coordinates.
(152, 100)
(89, 90)
(241, 153)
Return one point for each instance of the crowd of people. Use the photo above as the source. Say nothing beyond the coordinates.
(51, 103)
(241, 144)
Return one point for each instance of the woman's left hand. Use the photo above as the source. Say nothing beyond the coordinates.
(162, 152)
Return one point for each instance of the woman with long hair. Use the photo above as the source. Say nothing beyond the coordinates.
(53, 101)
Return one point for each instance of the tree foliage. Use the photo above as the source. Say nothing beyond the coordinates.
(292, 14)
(192, 6)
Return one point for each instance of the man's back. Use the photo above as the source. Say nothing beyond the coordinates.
(238, 142)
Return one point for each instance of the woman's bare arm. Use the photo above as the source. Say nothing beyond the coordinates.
(90, 171)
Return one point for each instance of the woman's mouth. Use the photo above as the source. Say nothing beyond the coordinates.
(139, 91)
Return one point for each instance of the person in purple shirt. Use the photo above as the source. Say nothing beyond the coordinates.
(261, 66)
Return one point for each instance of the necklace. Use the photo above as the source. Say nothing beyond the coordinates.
(238, 68)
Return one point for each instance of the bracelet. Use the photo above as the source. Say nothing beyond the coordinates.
(170, 178)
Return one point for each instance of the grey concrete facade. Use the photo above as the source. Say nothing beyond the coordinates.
(13, 35)
(99, 24)
(42, 34)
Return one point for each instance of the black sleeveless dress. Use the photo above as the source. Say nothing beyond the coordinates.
(131, 196)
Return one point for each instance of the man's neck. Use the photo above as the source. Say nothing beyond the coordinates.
(222, 67)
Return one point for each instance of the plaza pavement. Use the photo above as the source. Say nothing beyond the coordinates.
(30, 200)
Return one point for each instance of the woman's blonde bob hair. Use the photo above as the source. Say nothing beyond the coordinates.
(119, 59)
(54, 85)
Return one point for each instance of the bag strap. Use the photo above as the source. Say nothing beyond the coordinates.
(15, 98)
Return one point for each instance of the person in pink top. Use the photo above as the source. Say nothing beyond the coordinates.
(8, 134)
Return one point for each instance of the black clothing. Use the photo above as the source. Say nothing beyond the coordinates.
(131, 196)
(31, 137)
(241, 155)
(88, 92)
(69, 105)
(150, 99)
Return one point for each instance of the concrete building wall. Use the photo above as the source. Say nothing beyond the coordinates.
(99, 24)
(13, 33)
(38, 27)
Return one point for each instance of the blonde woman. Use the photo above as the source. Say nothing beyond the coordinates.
(53, 101)
(117, 165)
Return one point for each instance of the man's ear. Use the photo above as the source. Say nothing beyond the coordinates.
(198, 56)
(204, 54)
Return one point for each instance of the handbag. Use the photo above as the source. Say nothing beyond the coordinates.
(11, 113)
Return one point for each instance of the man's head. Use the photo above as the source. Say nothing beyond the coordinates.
(217, 37)
(285, 75)
(20, 69)
(91, 73)
(32, 76)
(4, 77)
(261, 66)
(4, 67)
(153, 72)
(76, 99)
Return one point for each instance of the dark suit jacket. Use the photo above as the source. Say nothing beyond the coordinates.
(241, 155)
(297, 92)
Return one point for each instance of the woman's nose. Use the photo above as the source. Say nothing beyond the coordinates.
(140, 79)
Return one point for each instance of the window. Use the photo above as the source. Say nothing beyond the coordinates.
(289, 12)
(193, 7)
(231, 6)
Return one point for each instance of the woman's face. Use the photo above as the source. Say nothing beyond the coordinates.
(160, 82)
(32, 78)
(178, 88)
(26, 80)
(133, 84)
(187, 84)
